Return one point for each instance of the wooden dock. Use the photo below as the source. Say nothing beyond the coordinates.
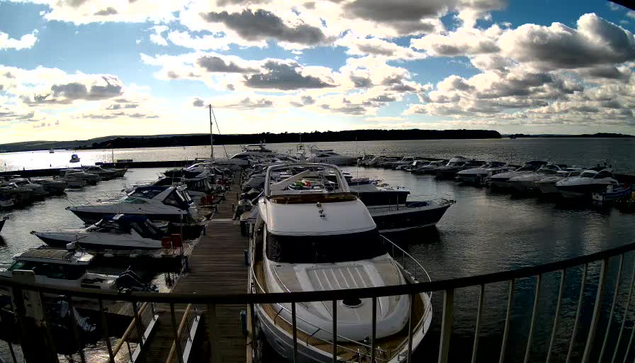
(217, 265)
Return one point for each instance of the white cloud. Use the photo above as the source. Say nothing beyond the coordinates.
(25, 42)
(157, 36)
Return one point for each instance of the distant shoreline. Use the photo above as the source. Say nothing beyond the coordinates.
(129, 142)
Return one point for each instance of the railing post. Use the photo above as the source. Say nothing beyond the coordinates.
(477, 330)
(628, 304)
(577, 313)
(534, 316)
(295, 332)
(374, 329)
(177, 341)
(140, 329)
(104, 322)
(563, 280)
(334, 331)
(410, 325)
(212, 324)
(596, 312)
(608, 324)
(446, 325)
(508, 316)
(74, 328)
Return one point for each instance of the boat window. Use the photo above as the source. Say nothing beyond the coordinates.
(172, 200)
(22, 265)
(324, 249)
(603, 174)
(131, 200)
(146, 193)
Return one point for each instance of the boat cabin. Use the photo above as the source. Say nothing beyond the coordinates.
(172, 196)
(53, 263)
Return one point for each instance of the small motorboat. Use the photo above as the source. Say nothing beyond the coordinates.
(430, 167)
(589, 182)
(120, 233)
(51, 151)
(329, 156)
(478, 175)
(409, 216)
(547, 185)
(74, 159)
(501, 180)
(526, 183)
(612, 194)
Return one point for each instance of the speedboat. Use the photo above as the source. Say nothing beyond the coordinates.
(612, 194)
(37, 189)
(89, 178)
(65, 268)
(589, 181)
(98, 170)
(372, 194)
(74, 159)
(403, 163)
(121, 232)
(478, 175)
(526, 183)
(52, 186)
(455, 165)
(329, 157)
(429, 168)
(409, 215)
(318, 236)
(157, 203)
(501, 180)
(199, 188)
(547, 185)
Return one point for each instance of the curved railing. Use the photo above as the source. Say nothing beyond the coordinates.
(446, 313)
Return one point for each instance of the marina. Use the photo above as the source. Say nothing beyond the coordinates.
(215, 263)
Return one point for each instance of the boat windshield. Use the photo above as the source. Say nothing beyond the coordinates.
(325, 249)
(588, 174)
(51, 270)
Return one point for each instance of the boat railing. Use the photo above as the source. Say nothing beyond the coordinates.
(587, 316)
(135, 336)
(408, 263)
(185, 333)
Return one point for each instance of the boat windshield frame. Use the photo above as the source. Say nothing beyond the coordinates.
(340, 187)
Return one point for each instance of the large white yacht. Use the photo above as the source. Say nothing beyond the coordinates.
(329, 157)
(547, 185)
(312, 234)
(527, 182)
(501, 180)
(590, 181)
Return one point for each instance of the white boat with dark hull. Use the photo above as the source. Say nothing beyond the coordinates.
(409, 216)
(478, 175)
(64, 268)
(329, 157)
(312, 239)
(157, 203)
(547, 185)
(121, 233)
(526, 183)
(590, 181)
(501, 180)
(430, 167)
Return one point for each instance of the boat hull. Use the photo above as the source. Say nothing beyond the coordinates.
(92, 244)
(407, 218)
(581, 190)
(282, 341)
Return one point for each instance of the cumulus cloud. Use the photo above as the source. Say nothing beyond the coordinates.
(89, 11)
(464, 41)
(213, 64)
(157, 36)
(377, 47)
(79, 87)
(285, 76)
(238, 103)
(25, 42)
(265, 25)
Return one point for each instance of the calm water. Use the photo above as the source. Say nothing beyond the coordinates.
(483, 232)
(580, 152)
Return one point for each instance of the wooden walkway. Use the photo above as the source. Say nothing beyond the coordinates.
(216, 267)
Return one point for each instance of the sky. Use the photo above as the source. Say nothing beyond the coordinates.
(78, 69)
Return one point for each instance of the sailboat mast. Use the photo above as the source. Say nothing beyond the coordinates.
(211, 132)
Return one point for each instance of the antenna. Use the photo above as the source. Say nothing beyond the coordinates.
(211, 131)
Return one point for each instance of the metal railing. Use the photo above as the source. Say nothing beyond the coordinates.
(185, 334)
(586, 341)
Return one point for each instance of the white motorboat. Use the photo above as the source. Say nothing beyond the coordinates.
(406, 161)
(526, 183)
(328, 156)
(501, 180)
(588, 182)
(478, 175)
(64, 268)
(98, 170)
(121, 232)
(37, 189)
(311, 235)
(89, 178)
(162, 203)
(430, 167)
(52, 186)
(410, 215)
(199, 188)
(74, 159)
(547, 185)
